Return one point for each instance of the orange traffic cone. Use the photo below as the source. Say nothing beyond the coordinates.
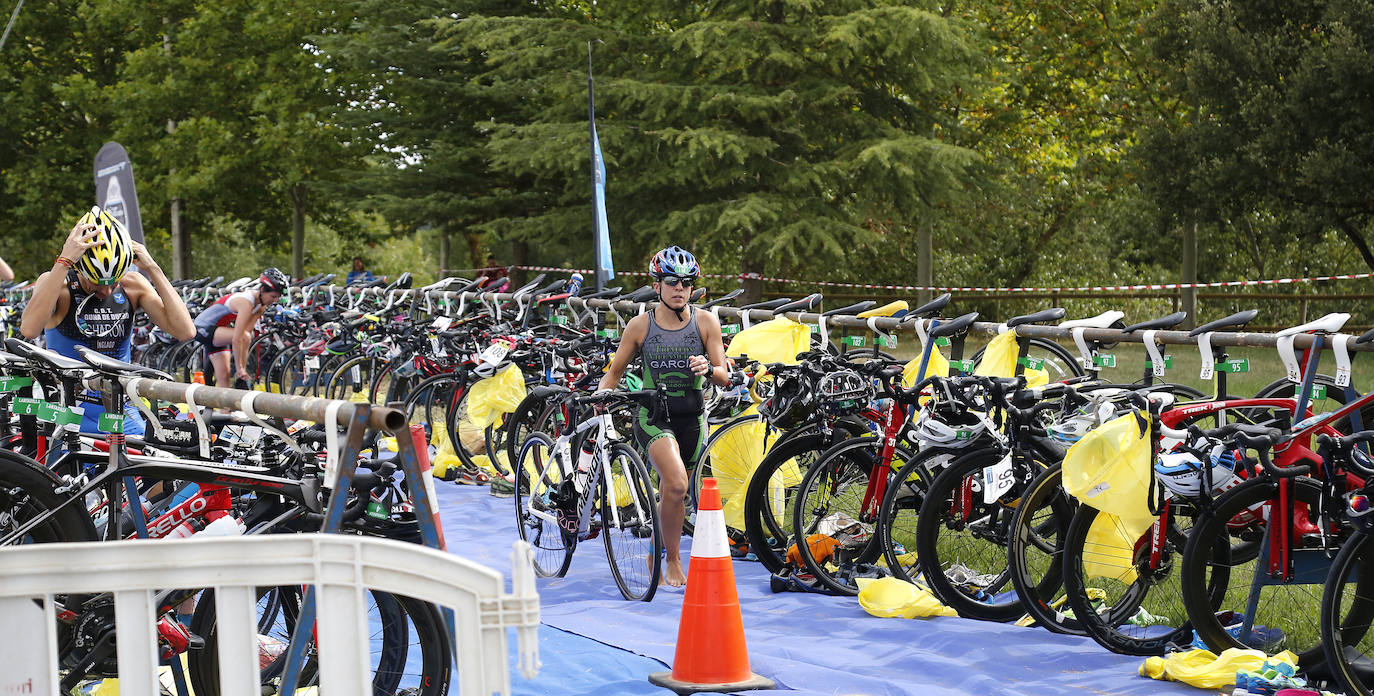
(711, 654)
(198, 377)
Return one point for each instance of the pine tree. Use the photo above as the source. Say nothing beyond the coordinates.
(767, 137)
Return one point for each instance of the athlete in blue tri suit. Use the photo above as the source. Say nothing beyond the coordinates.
(89, 299)
(680, 347)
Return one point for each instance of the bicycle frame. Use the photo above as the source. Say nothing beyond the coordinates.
(303, 492)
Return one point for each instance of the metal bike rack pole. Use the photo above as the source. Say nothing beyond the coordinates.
(1219, 338)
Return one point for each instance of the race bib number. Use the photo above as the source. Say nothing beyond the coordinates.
(997, 479)
(495, 353)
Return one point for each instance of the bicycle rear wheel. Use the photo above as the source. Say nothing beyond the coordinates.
(772, 492)
(731, 455)
(1129, 601)
(28, 490)
(538, 480)
(902, 507)
(630, 525)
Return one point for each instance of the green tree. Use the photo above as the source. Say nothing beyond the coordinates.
(769, 137)
(1071, 87)
(1279, 140)
(418, 108)
(242, 84)
(50, 131)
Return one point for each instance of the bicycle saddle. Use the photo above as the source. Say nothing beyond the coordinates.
(1237, 320)
(1101, 321)
(803, 304)
(769, 304)
(931, 308)
(1156, 324)
(608, 292)
(886, 310)
(109, 365)
(954, 326)
(1329, 324)
(851, 309)
(34, 354)
(1366, 337)
(644, 294)
(724, 298)
(551, 288)
(1040, 317)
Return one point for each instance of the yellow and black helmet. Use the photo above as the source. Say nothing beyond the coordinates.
(107, 261)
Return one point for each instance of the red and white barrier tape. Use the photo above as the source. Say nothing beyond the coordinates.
(1085, 288)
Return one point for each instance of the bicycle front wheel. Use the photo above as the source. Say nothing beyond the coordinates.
(1227, 560)
(630, 525)
(408, 644)
(835, 535)
(538, 484)
(1347, 610)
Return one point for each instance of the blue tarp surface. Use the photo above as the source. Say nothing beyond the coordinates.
(810, 644)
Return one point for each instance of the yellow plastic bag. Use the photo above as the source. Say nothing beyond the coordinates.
(1109, 469)
(937, 365)
(495, 395)
(734, 457)
(891, 598)
(1206, 670)
(776, 340)
(1109, 550)
(999, 360)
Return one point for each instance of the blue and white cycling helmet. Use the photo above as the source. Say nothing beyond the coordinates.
(674, 261)
(1183, 473)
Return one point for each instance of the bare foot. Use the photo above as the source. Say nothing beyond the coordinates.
(672, 574)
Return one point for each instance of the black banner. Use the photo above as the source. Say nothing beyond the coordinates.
(114, 188)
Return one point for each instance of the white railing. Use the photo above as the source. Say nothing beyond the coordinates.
(339, 566)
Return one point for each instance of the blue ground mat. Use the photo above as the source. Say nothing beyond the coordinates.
(810, 644)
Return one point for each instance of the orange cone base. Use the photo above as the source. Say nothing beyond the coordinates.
(666, 680)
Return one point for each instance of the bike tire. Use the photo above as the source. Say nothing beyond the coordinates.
(832, 494)
(537, 478)
(1035, 559)
(29, 490)
(401, 625)
(743, 443)
(772, 489)
(902, 507)
(630, 525)
(963, 555)
(1127, 590)
(1218, 574)
(1347, 614)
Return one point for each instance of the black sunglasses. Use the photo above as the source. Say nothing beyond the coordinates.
(674, 281)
